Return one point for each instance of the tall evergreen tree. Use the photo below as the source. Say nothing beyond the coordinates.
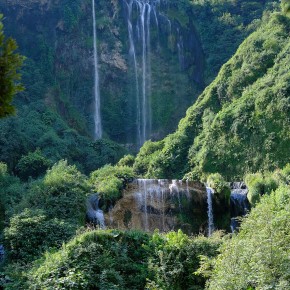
(10, 63)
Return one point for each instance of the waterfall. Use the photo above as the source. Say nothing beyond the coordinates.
(97, 116)
(2, 253)
(94, 213)
(239, 204)
(144, 10)
(132, 53)
(210, 192)
(160, 198)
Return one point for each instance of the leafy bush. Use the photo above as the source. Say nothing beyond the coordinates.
(260, 184)
(219, 185)
(34, 164)
(32, 232)
(285, 7)
(96, 259)
(109, 181)
(176, 258)
(127, 160)
(258, 256)
(61, 193)
(11, 192)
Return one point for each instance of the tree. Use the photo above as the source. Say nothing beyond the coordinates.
(10, 63)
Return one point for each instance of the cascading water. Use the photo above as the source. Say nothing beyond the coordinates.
(210, 192)
(161, 198)
(239, 203)
(144, 9)
(94, 213)
(146, 18)
(2, 253)
(97, 116)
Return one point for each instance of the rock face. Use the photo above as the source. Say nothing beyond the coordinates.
(150, 204)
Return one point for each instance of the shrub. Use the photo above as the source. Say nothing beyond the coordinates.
(109, 181)
(34, 164)
(61, 193)
(219, 185)
(258, 256)
(127, 160)
(260, 184)
(95, 260)
(285, 7)
(31, 233)
(176, 257)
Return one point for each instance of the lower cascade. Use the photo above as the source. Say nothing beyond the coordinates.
(239, 204)
(149, 204)
(166, 205)
(94, 214)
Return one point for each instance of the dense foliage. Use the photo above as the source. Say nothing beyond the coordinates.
(122, 260)
(240, 123)
(109, 181)
(43, 213)
(258, 256)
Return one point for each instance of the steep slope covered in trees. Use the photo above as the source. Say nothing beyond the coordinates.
(240, 123)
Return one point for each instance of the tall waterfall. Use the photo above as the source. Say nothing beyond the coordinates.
(210, 211)
(144, 9)
(97, 114)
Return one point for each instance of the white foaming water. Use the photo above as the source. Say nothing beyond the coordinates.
(154, 195)
(94, 213)
(210, 192)
(144, 10)
(97, 114)
(100, 218)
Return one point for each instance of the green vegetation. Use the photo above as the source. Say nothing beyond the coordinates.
(113, 259)
(285, 7)
(258, 256)
(219, 185)
(32, 165)
(240, 123)
(10, 64)
(42, 213)
(239, 128)
(109, 181)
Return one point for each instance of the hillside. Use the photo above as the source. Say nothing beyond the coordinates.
(240, 123)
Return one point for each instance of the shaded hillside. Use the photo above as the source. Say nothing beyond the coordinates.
(240, 123)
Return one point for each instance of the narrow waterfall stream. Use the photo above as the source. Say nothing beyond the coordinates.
(210, 210)
(94, 214)
(97, 114)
